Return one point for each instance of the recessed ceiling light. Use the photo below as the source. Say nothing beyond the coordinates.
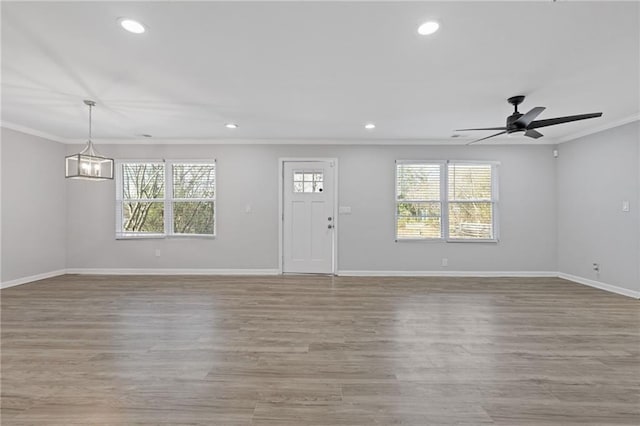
(132, 26)
(428, 28)
(369, 126)
(231, 126)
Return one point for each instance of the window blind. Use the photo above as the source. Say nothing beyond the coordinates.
(470, 197)
(450, 200)
(418, 200)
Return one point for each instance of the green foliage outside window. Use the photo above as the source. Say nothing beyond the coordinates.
(468, 199)
(192, 205)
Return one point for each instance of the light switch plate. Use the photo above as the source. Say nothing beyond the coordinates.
(625, 205)
(344, 209)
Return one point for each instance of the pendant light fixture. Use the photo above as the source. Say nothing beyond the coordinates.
(88, 164)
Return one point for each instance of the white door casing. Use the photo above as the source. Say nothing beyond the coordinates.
(308, 216)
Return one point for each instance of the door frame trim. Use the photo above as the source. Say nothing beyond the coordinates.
(334, 238)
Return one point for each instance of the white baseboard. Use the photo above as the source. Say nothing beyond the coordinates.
(32, 278)
(166, 271)
(169, 271)
(600, 285)
(518, 274)
(448, 274)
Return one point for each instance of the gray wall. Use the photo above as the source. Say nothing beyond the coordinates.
(567, 210)
(248, 174)
(595, 174)
(34, 206)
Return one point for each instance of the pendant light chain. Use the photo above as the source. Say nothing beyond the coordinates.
(90, 109)
(89, 148)
(91, 151)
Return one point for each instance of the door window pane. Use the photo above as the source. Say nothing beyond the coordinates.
(308, 181)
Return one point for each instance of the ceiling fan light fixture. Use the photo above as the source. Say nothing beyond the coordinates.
(87, 164)
(428, 28)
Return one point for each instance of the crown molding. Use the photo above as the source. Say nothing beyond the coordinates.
(311, 141)
(33, 132)
(267, 141)
(597, 129)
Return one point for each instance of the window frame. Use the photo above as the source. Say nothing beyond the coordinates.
(120, 200)
(442, 164)
(167, 201)
(444, 202)
(169, 176)
(494, 202)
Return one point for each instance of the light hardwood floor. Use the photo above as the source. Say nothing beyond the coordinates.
(318, 351)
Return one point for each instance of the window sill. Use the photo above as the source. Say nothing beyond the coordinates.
(139, 237)
(470, 240)
(169, 237)
(420, 240)
(191, 236)
(442, 240)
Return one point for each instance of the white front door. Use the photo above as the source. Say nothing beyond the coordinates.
(308, 217)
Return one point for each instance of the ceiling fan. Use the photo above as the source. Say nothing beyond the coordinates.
(526, 123)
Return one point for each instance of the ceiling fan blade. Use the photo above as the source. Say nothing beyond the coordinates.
(533, 134)
(478, 140)
(527, 118)
(485, 128)
(559, 120)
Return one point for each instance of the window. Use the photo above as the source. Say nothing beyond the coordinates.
(470, 200)
(160, 198)
(308, 181)
(452, 201)
(142, 204)
(193, 198)
(418, 201)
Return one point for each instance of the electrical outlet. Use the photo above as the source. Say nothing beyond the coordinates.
(445, 261)
(157, 252)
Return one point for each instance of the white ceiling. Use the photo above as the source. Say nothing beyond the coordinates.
(314, 70)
